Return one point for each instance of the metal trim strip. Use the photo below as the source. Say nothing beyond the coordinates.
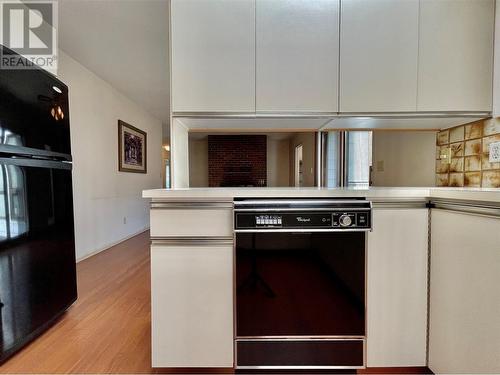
(476, 212)
(299, 367)
(255, 115)
(491, 210)
(401, 204)
(191, 205)
(191, 241)
(464, 202)
(298, 201)
(301, 230)
(332, 115)
(28, 151)
(300, 338)
(258, 210)
(37, 163)
(410, 115)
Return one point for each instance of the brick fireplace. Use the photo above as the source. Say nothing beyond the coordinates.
(237, 160)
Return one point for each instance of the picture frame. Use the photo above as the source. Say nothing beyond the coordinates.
(132, 148)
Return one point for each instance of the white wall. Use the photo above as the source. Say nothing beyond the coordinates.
(408, 157)
(198, 162)
(102, 196)
(278, 162)
(179, 151)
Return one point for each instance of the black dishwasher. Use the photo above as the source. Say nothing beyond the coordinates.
(300, 283)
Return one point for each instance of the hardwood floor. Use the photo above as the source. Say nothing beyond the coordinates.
(108, 329)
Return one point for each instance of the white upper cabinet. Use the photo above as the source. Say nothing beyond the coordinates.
(357, 56)
(378, 55)
(455, 55)
(297, 55)
(213, 55)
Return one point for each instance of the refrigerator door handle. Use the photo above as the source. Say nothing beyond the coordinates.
(37, 163)
(29, 151)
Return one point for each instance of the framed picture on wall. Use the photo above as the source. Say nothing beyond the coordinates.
(132, 148)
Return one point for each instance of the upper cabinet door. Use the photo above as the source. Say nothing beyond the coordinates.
(378, 55)
(456, 55)
(297, 55)
(213, 55)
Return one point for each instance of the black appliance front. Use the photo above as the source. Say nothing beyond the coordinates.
(34, 116)
(299, 285)
(37, 248)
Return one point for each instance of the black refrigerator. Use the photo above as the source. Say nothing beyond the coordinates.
(37, 245)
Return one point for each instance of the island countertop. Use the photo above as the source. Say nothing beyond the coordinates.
(373, 193)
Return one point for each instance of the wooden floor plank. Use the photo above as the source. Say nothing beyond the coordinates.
(108, 329)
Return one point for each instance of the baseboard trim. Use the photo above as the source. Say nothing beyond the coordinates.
(193, 370)
(110, 245)
(225, 370)
(396, 370)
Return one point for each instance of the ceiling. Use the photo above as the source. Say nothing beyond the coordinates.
(125, 42)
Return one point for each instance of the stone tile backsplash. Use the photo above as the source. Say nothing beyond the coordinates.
(469, 150)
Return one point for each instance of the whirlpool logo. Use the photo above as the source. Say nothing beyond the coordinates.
(303, 219)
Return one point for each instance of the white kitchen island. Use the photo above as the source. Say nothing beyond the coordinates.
(192, 263)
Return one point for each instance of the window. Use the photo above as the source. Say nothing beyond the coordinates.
(358, 158)
(167, 173)
(348, 158)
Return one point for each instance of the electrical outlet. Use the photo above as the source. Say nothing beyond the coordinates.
(380, 166)
(124, 220)
(495, 152)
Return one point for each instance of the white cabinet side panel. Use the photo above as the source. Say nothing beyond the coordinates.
(397, 288)
(464, 333)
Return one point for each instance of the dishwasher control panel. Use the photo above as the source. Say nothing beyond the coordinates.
(302, 214)
(306, 220)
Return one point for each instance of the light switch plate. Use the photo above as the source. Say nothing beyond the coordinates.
(495, 152)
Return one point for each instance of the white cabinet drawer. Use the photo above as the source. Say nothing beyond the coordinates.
(173, 220)
(192, 304)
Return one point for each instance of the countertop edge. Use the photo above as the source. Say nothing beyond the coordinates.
(375, 194)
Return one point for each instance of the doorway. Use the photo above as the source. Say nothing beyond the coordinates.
(299, 166)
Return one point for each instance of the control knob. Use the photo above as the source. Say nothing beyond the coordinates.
(345, 220)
